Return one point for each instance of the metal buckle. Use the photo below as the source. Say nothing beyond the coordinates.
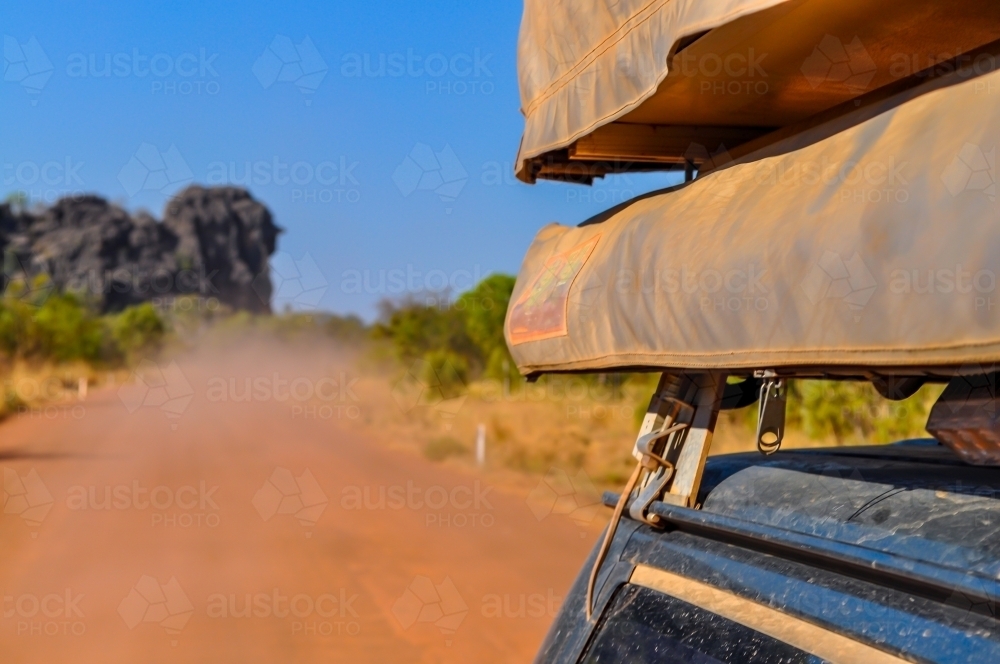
(661, 470)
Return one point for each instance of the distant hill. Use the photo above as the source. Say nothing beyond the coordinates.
(212, 242)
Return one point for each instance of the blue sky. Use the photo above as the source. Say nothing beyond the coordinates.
(381, 134)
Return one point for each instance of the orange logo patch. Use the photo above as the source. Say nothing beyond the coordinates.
(540, 313)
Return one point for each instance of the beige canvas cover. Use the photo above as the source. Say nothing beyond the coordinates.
(651, 84)
(878, 245)
(571, 52)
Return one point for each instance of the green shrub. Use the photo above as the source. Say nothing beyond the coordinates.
(500, 366)
(484, 309)
(446, 371)
(469, 330)
(854, 411)
(416, 328)
(346, 329)
(138, 330)
(66, 330)
(18, 331)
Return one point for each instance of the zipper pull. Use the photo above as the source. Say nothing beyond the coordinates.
(771, 411)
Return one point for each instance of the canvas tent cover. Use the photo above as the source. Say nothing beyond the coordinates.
(656, 83)
(874, 244)
(568, 52)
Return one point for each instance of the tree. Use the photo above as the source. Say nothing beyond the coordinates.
(415, 328)
(484, 309)
(138, 330)
(469, 330)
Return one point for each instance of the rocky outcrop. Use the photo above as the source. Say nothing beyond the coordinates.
(212, 243)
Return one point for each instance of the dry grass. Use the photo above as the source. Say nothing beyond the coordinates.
(33, 388)
(561, 425)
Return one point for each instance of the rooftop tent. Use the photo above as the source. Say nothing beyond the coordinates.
(664, 84)
(896, 266)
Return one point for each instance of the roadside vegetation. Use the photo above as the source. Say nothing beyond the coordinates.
(441, 369)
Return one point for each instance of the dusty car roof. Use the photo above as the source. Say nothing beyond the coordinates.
(893, 546)
(915, 499)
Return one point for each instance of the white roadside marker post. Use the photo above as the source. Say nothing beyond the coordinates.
(481, 445)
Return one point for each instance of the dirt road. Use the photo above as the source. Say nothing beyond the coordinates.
(232, 531)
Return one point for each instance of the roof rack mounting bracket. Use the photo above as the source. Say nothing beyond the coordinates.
(671, 450)
(674, 439)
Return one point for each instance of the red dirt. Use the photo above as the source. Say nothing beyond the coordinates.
(494, 557)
